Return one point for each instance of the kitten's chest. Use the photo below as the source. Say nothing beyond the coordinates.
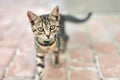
(52, 48)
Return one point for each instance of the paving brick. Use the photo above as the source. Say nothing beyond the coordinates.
(110, 65)
(1, 73)
(6, 55)
(55, 73)
(81, 64)
(114, 29)
(81, 41)
(82, 54)
(83, 75)
(6, 20)
(9, 42)
(113, 78)
(104, 47)
(18, 78)
(117, 38)
(73, 30)
(24, 62)
(2, 31)
(112, 20)
(23, 65)
(21, 56)
(8, 36)
(27, 44)
(112, 23)
(97, 31)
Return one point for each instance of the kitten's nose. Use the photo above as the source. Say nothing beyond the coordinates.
(48, 36)
(47, 33)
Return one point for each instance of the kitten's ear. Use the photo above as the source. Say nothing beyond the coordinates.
(32, 16)
(55, 13)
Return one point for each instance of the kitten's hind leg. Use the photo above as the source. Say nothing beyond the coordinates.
(64, 44)
(56, 59)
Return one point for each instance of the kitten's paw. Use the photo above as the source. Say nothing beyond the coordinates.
(37, 77)
(57, 65)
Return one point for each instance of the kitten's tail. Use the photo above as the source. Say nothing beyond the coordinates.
(74, 19)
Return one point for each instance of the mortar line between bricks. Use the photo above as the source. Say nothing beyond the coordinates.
(99, 69)
(96, 62)
(68, 75)
(112, 38)
(68, 63)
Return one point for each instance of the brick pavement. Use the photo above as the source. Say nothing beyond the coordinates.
(93, 51)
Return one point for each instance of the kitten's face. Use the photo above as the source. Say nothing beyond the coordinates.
(45, 27)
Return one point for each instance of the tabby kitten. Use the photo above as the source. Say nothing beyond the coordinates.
(50, 36)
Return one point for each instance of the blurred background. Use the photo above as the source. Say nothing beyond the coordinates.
(93, 51)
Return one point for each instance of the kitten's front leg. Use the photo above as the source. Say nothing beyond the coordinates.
(40, 66)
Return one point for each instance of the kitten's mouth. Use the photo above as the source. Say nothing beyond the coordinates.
(46, 42)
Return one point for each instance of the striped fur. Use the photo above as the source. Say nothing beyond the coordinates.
(50, 36)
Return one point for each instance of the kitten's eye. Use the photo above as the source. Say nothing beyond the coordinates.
(40, 29)
(52, 27)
